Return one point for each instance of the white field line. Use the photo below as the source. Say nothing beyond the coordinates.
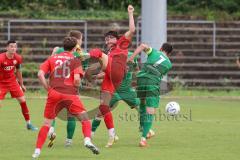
(162, 97)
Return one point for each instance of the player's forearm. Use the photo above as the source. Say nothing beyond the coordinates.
(77, 80)
(77, 83)
(43, 80)
(132, 27)
(19, 77)
(136, 52)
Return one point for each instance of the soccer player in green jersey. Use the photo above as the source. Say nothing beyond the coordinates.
(126, 93)
(148, 83)
(71, 122)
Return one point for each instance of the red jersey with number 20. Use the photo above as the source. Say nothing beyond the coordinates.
(8, 66)
(62, 68)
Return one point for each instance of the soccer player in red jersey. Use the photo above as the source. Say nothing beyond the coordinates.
(65, 78)
(9, 82)
(114, 66)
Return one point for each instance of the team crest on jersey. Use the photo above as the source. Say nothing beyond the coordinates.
(14, 62)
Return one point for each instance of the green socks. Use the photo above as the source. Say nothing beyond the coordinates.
(71, 125)
(147, 124)
(53, 123)
(95, 124)
(142, 112)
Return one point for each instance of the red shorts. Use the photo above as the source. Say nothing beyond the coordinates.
(14, 89)
(114, 73)
(57, 101)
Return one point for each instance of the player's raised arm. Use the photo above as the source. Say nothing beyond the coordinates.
(131, 31)
(140, 48)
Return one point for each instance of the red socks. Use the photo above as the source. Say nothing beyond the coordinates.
(104, 109)
(107, 114)
(108, 119)
(25, 111)
(86, 128)
(42, 136)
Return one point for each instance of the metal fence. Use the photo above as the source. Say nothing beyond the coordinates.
(15, 24)
(189, 22)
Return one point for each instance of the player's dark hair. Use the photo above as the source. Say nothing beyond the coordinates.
(11, 41)
(69, 43)
(75, 33)
(167, 47)
(112, 33)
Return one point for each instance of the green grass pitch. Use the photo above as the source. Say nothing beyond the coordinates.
(211, 131)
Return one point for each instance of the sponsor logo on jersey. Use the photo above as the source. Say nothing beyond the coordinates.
(14, 62)
(8, 68)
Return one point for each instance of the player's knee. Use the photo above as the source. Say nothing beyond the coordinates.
(69, 115)
(21, 99)
(98, 118)
(47, 122)
(83, 116)
(151, 110)
(105, 101)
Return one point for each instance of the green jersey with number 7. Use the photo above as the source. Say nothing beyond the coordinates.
(157, 65)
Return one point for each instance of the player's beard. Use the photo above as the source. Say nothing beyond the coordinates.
(108, 47)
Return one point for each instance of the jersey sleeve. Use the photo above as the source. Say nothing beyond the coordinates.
(45, 66)
(79, 70)
(19, 62)
(1, 60)
(60, 50)
(166, 67)
(76, 54)
(123, 42)
(76, 66)
(149, 51)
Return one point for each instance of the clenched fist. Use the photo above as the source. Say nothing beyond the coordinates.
(130, 9)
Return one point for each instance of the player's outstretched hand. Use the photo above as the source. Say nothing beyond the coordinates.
(130, 9)
(130, 61)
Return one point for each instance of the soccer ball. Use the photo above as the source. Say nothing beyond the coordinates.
(172, 108)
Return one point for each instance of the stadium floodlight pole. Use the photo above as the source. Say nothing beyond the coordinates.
(154, 26)
(154, 23)
(9, 30)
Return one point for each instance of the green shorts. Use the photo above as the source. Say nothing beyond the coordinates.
(149, 90)
(129, 96)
